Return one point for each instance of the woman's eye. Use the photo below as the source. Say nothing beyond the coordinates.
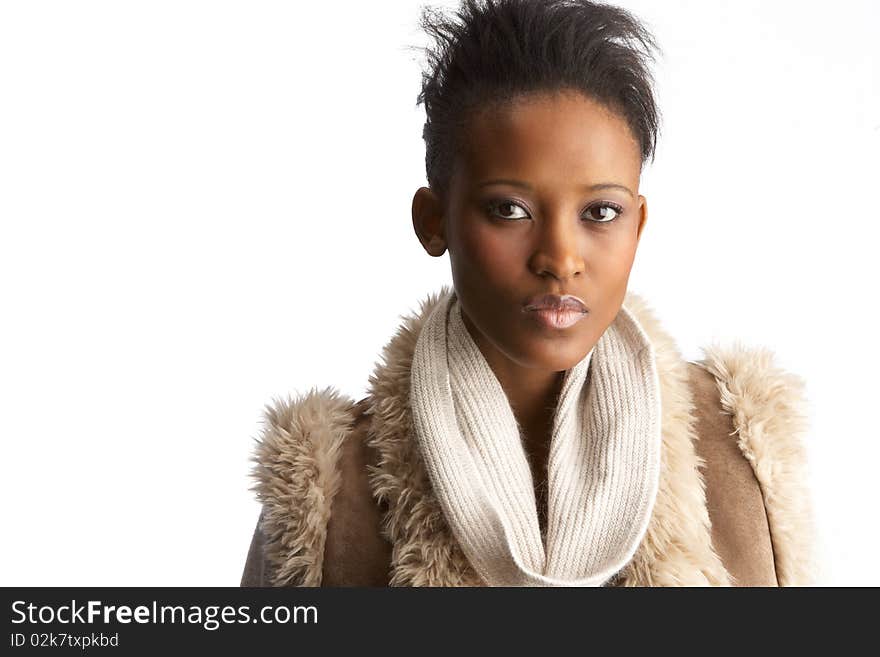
(601, 213)
(503, 209)
(608, 212)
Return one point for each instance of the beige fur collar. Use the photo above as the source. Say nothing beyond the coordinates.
(769, 410)
(676, 549)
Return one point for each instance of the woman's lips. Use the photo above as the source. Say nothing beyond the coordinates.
(555, 311)
(557, 319)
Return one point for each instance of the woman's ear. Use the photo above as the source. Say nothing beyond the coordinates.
(427, 216)
(643, 211)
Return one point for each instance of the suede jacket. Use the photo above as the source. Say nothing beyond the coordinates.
(346, 500)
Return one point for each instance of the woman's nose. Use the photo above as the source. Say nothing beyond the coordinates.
(557, 249)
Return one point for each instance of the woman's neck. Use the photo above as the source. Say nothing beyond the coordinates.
(532, 393)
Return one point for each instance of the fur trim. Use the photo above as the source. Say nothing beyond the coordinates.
(297, 477)
(676, 549)
(769, 416)
(424, 552)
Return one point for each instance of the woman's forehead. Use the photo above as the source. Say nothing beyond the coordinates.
(550, 136)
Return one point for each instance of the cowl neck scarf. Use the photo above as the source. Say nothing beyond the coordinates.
(604, 459)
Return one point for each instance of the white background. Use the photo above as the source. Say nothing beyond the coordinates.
(190, 190)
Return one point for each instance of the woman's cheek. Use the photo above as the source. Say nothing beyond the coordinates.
(489, 252)
(615, 259)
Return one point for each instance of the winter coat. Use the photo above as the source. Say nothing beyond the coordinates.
(346, 500)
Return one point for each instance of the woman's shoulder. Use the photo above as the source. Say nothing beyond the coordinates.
(356, 553)
(318, 516)
(749, 425)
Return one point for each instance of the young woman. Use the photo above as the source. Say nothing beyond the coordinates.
(534, 425)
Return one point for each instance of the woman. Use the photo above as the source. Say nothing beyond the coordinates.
(534, 425)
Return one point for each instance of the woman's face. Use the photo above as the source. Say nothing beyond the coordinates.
(544, 200)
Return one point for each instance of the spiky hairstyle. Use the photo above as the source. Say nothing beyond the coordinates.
(490, 53)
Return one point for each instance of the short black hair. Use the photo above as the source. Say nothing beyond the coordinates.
(493, 52)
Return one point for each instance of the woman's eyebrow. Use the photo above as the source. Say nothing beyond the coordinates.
(590, 188)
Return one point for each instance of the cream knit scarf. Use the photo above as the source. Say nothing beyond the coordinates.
(604, 460)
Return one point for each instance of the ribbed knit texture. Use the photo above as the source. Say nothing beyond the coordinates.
(604, 459)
